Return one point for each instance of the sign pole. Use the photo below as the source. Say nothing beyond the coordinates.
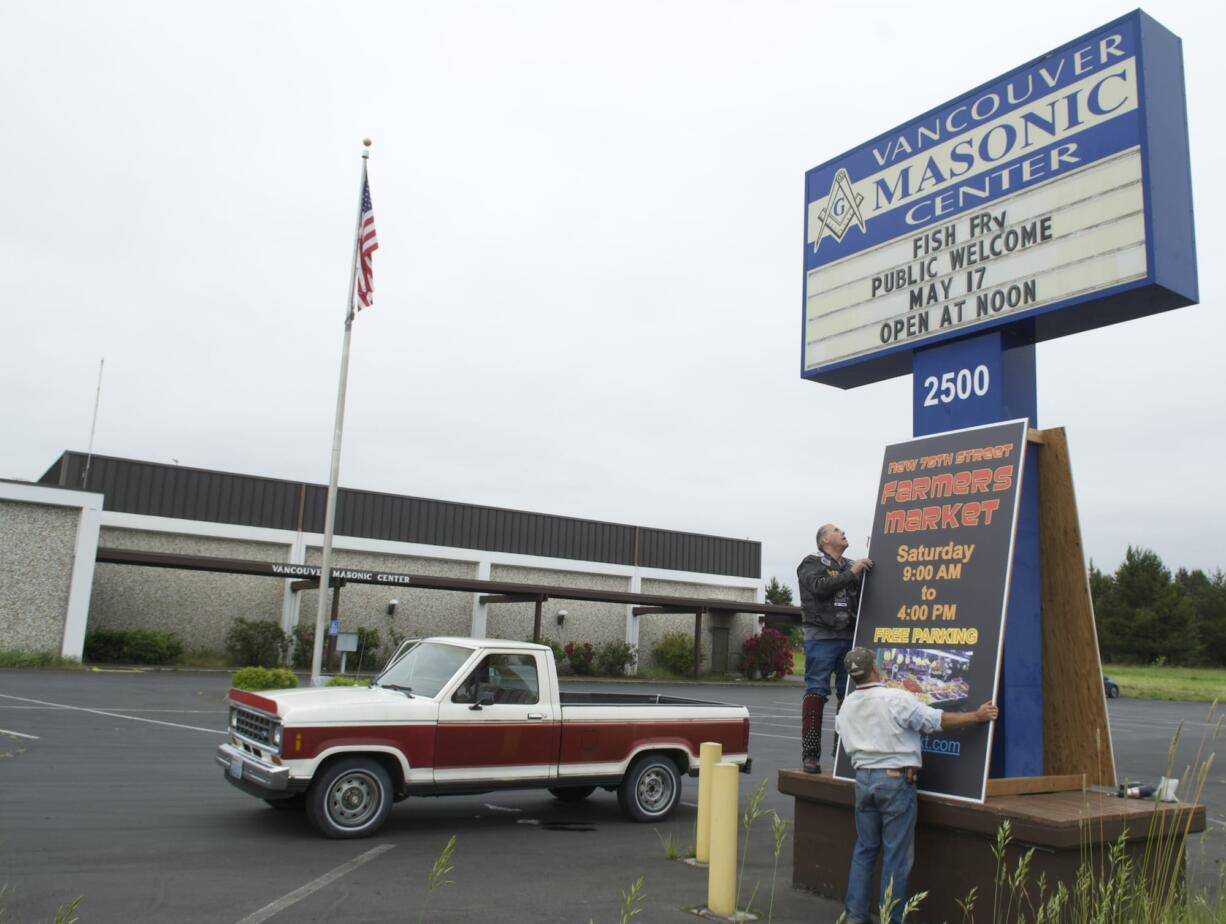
(1004, 363)
(325, 561)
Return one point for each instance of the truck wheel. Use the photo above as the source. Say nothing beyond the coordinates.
(651, 788)
(572, 793)
(350, 798)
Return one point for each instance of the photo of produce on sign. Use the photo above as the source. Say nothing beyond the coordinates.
(1033, 193)
(933, 607)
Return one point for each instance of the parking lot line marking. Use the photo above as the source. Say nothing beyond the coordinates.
(765, 735)
(314, 885)
(5, 731)
(117, 715)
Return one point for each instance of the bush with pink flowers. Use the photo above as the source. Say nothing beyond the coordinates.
(767, 655)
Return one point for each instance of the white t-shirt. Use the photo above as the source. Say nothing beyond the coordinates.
(879, 727)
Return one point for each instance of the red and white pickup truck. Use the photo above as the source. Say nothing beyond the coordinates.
(461, 715)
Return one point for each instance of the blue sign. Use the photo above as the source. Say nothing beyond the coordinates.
(1052, 200)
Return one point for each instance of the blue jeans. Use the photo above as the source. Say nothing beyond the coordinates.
(823, 656)
(885, 819)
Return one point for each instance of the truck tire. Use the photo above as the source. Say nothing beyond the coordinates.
(651, 788)
(572, 793)
(350, 798)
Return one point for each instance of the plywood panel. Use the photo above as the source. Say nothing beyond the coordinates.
(1077, 736)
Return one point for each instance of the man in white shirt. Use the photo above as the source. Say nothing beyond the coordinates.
(880, 730)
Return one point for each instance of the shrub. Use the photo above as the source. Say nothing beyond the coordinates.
(580, 657)
(768, 654)
(259, 642)
(559, 653)
(342, 681)
(132, 646)
(367, 655)
(302, 641)
(263, 678)
(614, 657)
(675, 653)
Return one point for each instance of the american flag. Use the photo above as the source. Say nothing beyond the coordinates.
(368, 243)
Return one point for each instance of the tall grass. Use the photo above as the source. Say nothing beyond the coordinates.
(1115, 885)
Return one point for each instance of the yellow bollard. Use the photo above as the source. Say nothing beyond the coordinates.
(709, 755)
(721, 875)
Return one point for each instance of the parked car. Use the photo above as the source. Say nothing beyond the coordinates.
(458, 715)
(1110, 687)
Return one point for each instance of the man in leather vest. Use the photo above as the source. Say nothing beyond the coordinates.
(829, 596)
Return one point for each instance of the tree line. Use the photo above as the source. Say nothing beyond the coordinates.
(1146, 614)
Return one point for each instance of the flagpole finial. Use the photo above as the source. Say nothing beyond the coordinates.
(366, 143)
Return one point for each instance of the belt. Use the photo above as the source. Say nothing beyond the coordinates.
(910, 773)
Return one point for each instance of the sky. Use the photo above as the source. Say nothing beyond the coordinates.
(588, 287)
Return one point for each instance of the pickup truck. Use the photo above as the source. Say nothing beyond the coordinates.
(461, 716)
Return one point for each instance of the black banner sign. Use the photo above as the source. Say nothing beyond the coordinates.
(933, 607)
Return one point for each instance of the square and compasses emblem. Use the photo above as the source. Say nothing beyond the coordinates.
(841, 211)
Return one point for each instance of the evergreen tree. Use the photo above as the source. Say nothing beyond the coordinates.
(1146, 616)
(778, 594)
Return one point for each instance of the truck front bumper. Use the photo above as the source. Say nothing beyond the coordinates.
(255, 776)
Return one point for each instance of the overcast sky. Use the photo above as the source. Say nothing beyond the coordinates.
(588, 291)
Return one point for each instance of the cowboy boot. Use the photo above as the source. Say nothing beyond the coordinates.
(811, 710)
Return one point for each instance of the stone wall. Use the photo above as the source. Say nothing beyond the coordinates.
(418, 612)
(197, 606)
(653, 627)
(585, 621)
(37, 548)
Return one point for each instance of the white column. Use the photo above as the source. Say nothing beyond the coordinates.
(81, 586)
(291, 603)
(480, 610)
(632, 621)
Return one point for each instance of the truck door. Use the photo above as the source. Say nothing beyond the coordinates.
(499, 723)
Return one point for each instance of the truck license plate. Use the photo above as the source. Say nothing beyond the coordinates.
(236, 767)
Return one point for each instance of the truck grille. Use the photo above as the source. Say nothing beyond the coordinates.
(253, 726)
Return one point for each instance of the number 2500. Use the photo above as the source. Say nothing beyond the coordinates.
(958, 386)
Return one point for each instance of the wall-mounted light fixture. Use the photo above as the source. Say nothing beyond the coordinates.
(391, 607)
(561, 617)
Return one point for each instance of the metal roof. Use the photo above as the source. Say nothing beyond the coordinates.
(180, 492)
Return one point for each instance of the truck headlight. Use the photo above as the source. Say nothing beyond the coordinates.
(233, 718)
(276, 737)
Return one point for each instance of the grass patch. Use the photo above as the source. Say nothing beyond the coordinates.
(11, 658)
(205, 657)
(660, 673)
(1185, 684)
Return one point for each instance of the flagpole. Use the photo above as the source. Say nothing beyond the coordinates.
(89, 453)
(325, 561)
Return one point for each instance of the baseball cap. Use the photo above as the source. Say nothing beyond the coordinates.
(859, 663)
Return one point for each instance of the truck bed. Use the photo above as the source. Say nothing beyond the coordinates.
(630, 699)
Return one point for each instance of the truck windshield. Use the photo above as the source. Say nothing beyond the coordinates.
(425, 668)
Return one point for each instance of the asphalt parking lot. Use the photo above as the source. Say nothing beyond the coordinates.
(109, 791)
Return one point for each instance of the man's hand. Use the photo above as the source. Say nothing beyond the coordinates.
(985, 713)
(862, 565)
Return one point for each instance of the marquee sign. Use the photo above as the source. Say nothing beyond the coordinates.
(1057, 196)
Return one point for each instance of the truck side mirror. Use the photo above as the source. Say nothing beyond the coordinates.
(484, 698)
